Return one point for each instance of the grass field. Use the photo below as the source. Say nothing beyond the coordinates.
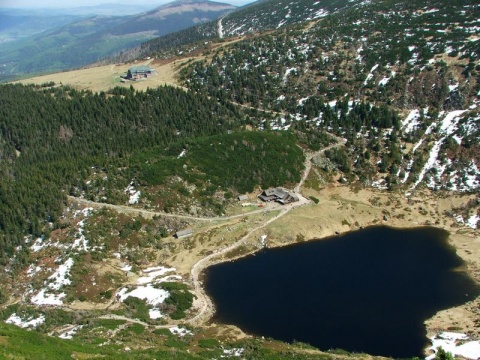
(103, 78)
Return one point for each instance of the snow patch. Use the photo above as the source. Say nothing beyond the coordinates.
(380, 184)
(237, 352)
(176, 330)
(31, 322)
(134, 194)
(61, 276)
(151, 295)
(370, 74)
(42, 298)
(473, 221)
(126, 268)
(155, 314)
(152, 273)
(320, 13)
(447, 127)
(288, 72)
(182, 154)
(449, 342)
(411, 121)
(54, 282)
(70, 333)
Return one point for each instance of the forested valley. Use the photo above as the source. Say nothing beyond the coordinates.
(53, 137)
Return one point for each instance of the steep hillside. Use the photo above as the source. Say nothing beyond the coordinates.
(274, 14)
(86, 41)
(252, 18)
(361, 71)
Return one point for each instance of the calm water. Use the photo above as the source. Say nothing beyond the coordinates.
(366, 291)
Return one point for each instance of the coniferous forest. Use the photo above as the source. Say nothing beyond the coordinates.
(52, 137)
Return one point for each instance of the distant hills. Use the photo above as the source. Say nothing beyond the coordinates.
(77, 40)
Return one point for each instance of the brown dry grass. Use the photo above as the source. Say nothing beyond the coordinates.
(103, 78)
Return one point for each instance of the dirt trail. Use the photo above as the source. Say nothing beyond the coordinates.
(120, 317)
(310, 155)
(124, 209)
(206, 307)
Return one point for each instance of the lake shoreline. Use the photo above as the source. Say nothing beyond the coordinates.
(341, 210)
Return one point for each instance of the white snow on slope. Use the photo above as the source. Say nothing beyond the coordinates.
(237, 352)
(155, 314)
(69, 334)
(473, 221)
(320, 13)
(60, 277)
(288, 72)
(449, 342)
(42, 298)
(448, 126)
(55, 282)
(81, 242)
(182, 154)
(25, 323)
(370, 74)
(468, 181)
(134, 194)
(220, 29)
(410, 121)
(152, 273)
(384, 81)
(153, 296)
(180, 331)
(148, 292)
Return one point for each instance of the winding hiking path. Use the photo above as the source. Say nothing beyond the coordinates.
(124, 209)
(207, 309)
(205, 306)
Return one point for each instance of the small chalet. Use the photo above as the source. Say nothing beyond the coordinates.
(242, 197)
(278, 194)
(183, 233)
(139, 72)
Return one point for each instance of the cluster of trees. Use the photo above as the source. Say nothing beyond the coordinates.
(335, 56)
(180, 299)
(260, 17)
(53, 138)
(345, 57)
(229, 162)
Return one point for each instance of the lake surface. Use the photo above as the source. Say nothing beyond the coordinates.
(366, 291)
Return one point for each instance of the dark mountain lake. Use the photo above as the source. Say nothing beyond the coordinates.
(366, 291)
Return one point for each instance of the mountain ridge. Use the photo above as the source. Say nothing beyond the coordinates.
(86, 41)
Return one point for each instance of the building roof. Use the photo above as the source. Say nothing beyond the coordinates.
(280, 193)
(140, 69)
(269, 192)
(183, 233)
(266, 198)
